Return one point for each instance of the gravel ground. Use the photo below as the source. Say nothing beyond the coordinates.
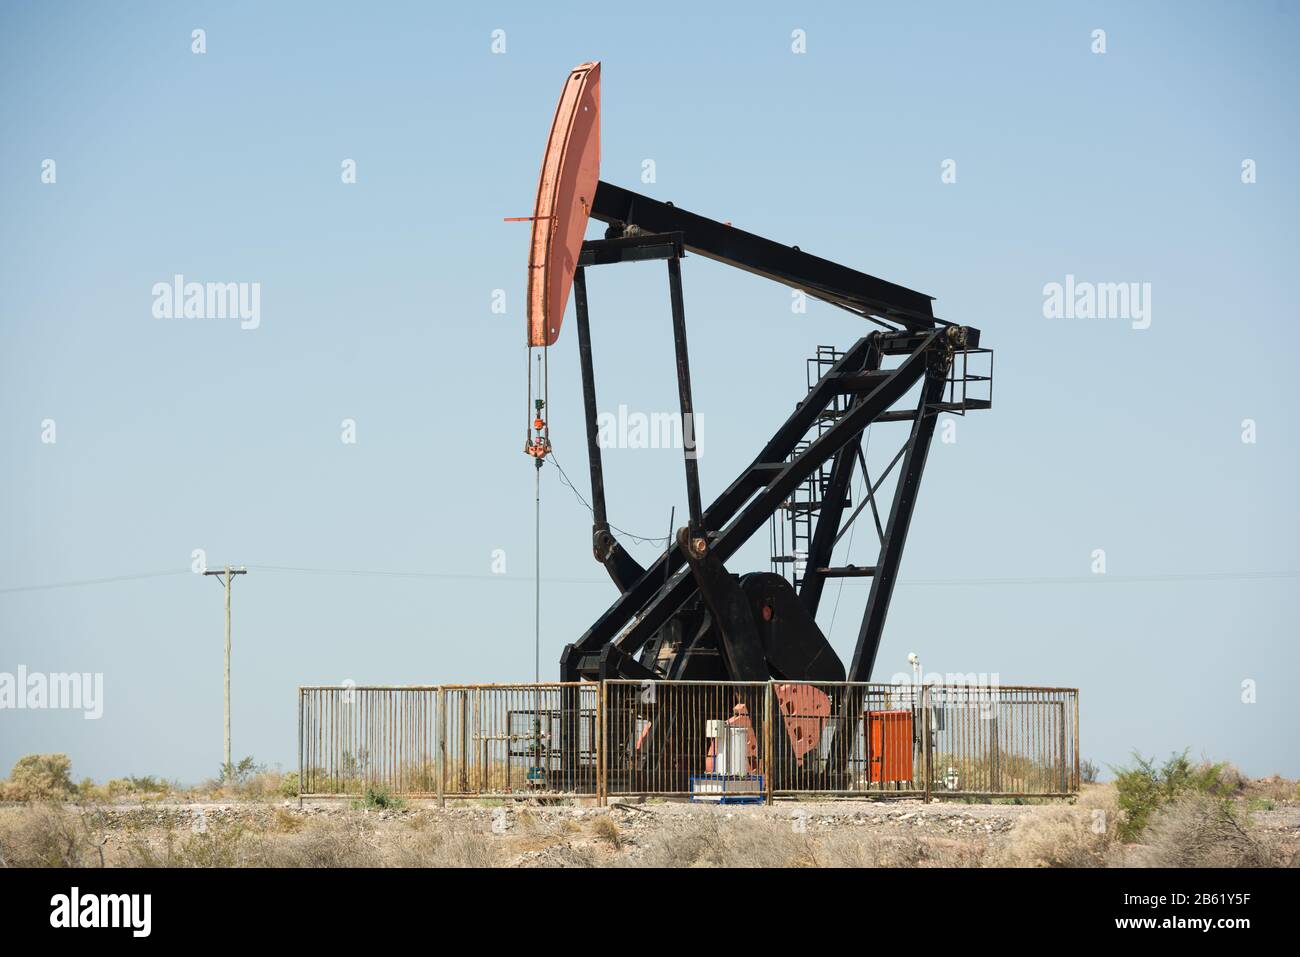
(529, 833)
(902, 832)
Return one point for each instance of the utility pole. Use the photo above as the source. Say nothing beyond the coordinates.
(227, 575)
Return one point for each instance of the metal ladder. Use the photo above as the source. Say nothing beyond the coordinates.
(791, 531)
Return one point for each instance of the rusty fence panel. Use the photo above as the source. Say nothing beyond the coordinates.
(715, 741)
(696, 739)
(844, 739)
(351, 738)
(847, 738)
(520, 740)
(1004, 741)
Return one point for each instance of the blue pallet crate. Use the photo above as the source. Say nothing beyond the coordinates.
(757, 796)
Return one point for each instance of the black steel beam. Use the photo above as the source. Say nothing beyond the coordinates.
(689, 451)
(589, 399)
(719, 513)
(848, 571)
(741, 647)
(602, 252)
(818, 277)
(861, 382)
(749, 519)
(623, 569)
(900, 519)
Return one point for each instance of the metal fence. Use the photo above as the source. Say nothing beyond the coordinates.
(352, 737)
(719, 741)
(684, 738)
(504, 740)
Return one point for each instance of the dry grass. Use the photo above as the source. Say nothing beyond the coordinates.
(903, 850)
(320, 843)
(286, 823)
(49, 836)
(1012, 772)
(1277, 789)
(1198, 830)
(766, 843)
(257, 786)
(740, 843)
(1062, 835)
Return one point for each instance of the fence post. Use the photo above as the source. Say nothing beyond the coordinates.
(1078, 781)
(300, 739)
(441, 733)
(996, 782)
(925, 744)
(463, 754)
(601, 784)
(769, 757)
(1063, 780)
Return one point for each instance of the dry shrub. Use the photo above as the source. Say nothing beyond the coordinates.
(1199, 830)
(1146, 787)
(1231, 781)
(139, 789)
(1056, 837)
(47, 836)
(605, 828)
(286, 822)
(1079, 835)
(39, 777)
(258, 785)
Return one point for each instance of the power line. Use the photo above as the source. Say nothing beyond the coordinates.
(454, 576)
(467, 576)
(1108, 579)
(95, 581)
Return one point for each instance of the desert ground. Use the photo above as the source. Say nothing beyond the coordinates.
(1261, 828)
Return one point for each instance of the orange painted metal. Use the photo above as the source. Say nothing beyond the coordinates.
(889, 736)
(565, 190)
(804, 709)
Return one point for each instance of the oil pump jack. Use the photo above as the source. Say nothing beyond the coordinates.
(687, 616)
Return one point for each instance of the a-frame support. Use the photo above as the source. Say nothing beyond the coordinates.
(694, 565)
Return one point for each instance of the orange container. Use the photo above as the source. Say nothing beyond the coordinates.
(889, 745)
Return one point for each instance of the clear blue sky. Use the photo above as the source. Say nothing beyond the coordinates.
(376, 299)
